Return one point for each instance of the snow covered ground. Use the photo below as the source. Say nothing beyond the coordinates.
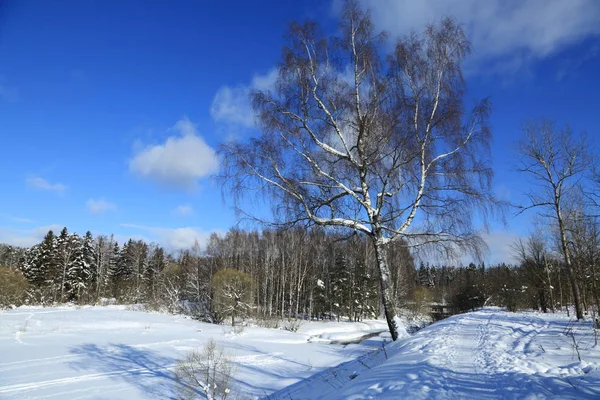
(489, 354)
(115, 353)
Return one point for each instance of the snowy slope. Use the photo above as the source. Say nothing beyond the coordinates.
(488, 354)
(114, 353)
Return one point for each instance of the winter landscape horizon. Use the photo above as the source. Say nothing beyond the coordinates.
(341, 199)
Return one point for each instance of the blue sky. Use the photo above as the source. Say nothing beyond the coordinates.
(110, 111)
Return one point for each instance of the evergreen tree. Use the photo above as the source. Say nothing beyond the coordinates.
(124, 267)
(48, 258)
(31, 268)
(63, 256)
(113, 264)
(89, 258)
(364, 292)
(340, 279)
(77, 273)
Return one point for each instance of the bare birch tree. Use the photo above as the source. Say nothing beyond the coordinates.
(556, 161)
(376, 143)
(532, 254)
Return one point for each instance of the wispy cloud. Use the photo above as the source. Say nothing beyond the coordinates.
(231, 104)
(505, 34)
(571, 66)
(500, 247)
(175, 238)
(100, 206)
(41, 183)
(17, 219)
(179, 162)
(28, 237)
(184, 209)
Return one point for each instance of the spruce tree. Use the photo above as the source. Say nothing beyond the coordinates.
(89, 258)
(31, 267)
(113, 263)
(77, 273)
(48, 258)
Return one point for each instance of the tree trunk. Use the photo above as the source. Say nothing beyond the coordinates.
(549, 282)
(569, 265)
(386, 289)
(542, 298)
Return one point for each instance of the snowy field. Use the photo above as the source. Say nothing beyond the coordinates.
(114, 353)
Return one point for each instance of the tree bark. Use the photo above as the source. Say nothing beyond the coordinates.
(386, 289)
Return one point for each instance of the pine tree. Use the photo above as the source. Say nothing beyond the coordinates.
(123, 271)
(89, 258)
(64, 252)
(364, 292)
(340, 279)
(48, 249)
(77, 273)
(112, 275)
(31, 267)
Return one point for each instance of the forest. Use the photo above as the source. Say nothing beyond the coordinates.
(293, 273)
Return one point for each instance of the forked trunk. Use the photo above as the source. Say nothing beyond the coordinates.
(386, 290)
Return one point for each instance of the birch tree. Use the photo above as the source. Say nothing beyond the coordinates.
(556, 161)
(382, 144)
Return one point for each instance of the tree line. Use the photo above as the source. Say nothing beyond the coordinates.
(300, 273)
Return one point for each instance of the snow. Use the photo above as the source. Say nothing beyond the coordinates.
(116, 352)
(489, 354)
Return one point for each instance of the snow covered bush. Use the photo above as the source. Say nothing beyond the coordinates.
(292, 325)
(13, 287)
(205, 373)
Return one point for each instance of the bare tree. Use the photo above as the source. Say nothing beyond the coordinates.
(380, 144)
(532, 253)
(208, 371)
(556, 161)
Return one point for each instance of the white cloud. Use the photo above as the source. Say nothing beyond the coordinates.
(180, 161)
(231, 105)
(184, 209)
(40, 183)
(175, 238)
(508, 33)
(100, 206)
(28, 237)
(500, 247)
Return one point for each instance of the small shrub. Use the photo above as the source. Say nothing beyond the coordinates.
(292, 325)
(13, 287)
(205, 373)
(270, 323)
